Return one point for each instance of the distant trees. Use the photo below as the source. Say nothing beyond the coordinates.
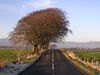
(39, 28)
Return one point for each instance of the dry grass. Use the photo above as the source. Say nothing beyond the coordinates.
(3, 64)
(87, 69)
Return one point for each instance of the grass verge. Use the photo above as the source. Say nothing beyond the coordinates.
(83, 67)
(7, 56)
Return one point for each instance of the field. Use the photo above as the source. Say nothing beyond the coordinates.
(91, 55)
(9, 56)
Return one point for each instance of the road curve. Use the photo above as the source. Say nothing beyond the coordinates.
(52, 62)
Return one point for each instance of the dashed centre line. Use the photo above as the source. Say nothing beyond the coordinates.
(53, 66)
(53, 63)
(52, 59)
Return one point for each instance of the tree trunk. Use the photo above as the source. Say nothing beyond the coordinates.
(35, 49)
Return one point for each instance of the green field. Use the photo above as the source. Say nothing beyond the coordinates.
(91, 55)
(8, 55)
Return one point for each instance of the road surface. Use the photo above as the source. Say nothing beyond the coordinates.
(52, 62)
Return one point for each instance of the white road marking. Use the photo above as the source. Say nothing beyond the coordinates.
(53, 74)
(52, 59)
(52, 66)
(53, 63)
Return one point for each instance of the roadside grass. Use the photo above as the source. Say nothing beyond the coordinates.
(31, 60)
(84, 68)
(91, 55)
(9, 56)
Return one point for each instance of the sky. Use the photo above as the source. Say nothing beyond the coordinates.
(84, 16)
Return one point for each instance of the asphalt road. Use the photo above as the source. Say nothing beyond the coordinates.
(52, 62)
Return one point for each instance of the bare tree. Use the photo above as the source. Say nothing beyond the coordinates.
(41, 27)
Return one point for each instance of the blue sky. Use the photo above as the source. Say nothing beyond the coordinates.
(84, 16)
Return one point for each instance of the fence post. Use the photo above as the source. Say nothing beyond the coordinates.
(97, 63)
(92, 62)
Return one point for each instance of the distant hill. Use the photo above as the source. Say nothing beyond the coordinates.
(4, 42)
(92, 44)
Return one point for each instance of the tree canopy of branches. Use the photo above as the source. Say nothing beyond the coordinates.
(39, 28)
